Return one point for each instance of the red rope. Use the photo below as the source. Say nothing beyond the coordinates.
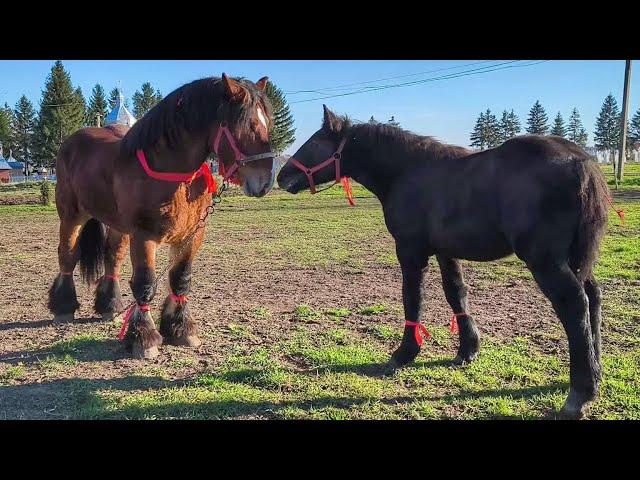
(125, 322)
(204, 170)
(418, 327)
(112, 277)
(347, 190)
(222, 172)
(619, 212)
(66, 273)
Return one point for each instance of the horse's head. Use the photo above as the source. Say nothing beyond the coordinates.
(318, 160)
(242, 139)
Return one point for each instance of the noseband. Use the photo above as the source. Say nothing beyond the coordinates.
(240, 159)
(335, 157)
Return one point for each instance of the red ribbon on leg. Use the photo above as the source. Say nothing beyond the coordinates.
(178, 298)
(418, 327)
(454, 322)
(125, 321)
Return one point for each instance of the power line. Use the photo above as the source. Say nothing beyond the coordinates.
(417, 82)
(339, 87)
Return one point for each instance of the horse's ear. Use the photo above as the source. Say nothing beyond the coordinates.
(262, 83)
(232, 88)
(331, 121)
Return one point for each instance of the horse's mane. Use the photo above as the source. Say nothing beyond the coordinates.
(383, 136)
(193, 108)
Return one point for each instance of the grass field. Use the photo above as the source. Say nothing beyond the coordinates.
(298, 300)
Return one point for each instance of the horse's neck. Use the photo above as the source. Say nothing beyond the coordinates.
(375, 171)
(186, 158)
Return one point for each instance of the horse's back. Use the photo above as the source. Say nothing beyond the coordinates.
(541, 148)
(85, 166)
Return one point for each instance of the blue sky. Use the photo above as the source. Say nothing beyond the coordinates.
(446, 109)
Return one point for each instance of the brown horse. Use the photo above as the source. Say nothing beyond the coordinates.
(151, 185)
(541, 198)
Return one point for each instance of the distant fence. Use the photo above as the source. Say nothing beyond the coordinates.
(31, 178)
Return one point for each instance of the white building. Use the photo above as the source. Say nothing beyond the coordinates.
(120, 114)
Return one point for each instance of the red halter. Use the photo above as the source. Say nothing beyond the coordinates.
(239, 160)
(335, 157)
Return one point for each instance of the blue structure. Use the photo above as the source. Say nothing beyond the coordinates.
(120, 114)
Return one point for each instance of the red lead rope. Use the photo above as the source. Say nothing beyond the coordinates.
(347, 190)
(619, 212)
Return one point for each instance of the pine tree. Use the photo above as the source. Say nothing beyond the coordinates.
(634, 131)
(607, 134)
(492, 129)
(392, 122)
(537, 120)
(486, 132)
(62, 112)
(6, 127)
(509, 126)
(25, 118)
(145, 99)
(79, 112)
(477, 137)
(575, 130)
(558, 127)
(282, 132)
(97, 106)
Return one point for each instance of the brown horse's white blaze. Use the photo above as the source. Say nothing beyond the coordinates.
(150, 185)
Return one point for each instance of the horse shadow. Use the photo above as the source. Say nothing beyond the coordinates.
(47, 323)
(81, 350)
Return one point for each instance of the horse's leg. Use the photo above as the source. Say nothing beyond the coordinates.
(108, 299)
(176, 323)
(142, 337)
(63, 301)
(571, 304)
(456, 292)
(594, 293)
(413, 262)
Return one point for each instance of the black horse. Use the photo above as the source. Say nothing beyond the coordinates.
(540, 197)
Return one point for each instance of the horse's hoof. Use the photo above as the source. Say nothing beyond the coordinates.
(461, 360)
(144, 353)
(107, 317)
(575, 407)
(188, 341)
(63, 318)
(391, 367)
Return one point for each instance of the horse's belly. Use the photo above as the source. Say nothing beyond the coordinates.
(481, 245)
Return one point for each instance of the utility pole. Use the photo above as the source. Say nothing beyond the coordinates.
(623, 130)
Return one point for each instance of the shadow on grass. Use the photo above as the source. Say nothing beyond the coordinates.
(82, 350)
(79, 399)
(68, 398)
(47, 323)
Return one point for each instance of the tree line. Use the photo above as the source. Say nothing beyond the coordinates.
(490, 132)
(35, 136)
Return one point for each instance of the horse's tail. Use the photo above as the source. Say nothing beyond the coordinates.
(92, 244)
(593, 197)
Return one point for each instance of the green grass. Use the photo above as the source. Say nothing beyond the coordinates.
(510, 380)
(331, 364)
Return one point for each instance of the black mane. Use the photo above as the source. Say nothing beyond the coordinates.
(384, 137)
(193, 107)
